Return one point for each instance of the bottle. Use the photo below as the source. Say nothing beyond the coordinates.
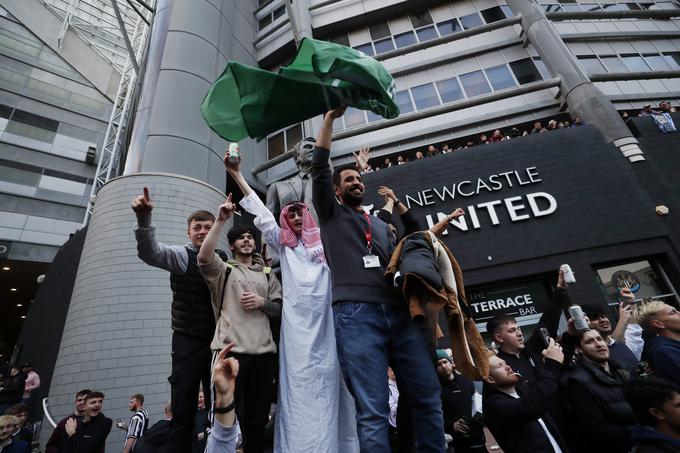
(568, 274)
(580, 322)
(233, 154)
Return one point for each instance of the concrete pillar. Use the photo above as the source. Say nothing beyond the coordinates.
(582, 96)
(117, 334)
(191, 42)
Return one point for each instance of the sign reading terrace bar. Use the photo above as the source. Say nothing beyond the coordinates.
(520, 299)
(531, 205)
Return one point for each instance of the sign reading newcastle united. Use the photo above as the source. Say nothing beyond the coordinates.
(531, 205)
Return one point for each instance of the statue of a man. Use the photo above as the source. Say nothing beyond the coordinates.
(295, 188)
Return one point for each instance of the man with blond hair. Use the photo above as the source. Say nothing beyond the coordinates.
(8, 444)
(661, 325)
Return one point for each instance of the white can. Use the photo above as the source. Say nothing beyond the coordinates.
(568, 274)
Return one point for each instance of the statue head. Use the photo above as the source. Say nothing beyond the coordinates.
(303, 154)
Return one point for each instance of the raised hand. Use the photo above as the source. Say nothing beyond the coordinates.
(335, 113)
(627, 296)
(457, 213)
(362, 156)
(251, 301)
(142, 204)
(71, 425)
(554, 351)
(225, 371)
(226, 210)
(232, 168)
(387, 193)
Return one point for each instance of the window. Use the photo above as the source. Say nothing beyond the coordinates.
(471, 21)
(507, 11)
(31, 131)
(525, 71)
(493, 14)
(644, 278)
(354, 117)
(614, 64)
(425, 96)
(542, 68)
(278, 12)
(673, 59)
(657, 62)
(365, 48)
(341, 39)
(383, 45)
(592, 65)
(372, 116)
(500, 77)
(426, 33)
(265, 21)
(590, 7)
(450, 90)
(379, 31)
(405, 39)
(571, 7)
(284, 140)
(18, 179)
(552, 8)
(449, 26)
(421, 19)
(403, 100)
(474, 83)
(635, 63)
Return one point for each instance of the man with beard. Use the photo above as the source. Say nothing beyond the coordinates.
(597, 404)
(618, 351)
(373, 328)
(245, 294)
(518, 414)
(87, 434)
(525, 356)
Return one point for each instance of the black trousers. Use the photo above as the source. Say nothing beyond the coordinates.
(253, 397)
(191, 359)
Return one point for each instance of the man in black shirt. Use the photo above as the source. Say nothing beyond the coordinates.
(458, 393)
(87, 434)
(525, 356)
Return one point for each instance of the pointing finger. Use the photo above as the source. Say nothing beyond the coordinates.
(229, 198)
(147, 197)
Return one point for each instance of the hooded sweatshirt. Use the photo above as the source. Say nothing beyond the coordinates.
(249, 329)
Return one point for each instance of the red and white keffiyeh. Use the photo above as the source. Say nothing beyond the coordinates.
(311, 234)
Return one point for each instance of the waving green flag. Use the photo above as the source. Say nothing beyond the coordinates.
(251, 102)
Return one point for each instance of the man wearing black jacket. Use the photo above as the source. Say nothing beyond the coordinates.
(598, 408)
(458, 393)
(517, 414)
(87, 434)
(13, 389)
(525, 357)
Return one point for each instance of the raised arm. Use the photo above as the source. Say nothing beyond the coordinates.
(440, 226)
(224, 213)
(323, 193)
(173, 259)
(264, 219)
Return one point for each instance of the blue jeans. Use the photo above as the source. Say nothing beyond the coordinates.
(370, 337)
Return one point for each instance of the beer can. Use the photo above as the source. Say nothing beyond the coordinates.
(580, 322)
(568, 274)
(233, 155)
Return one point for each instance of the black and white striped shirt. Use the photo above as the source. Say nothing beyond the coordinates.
(138, 424)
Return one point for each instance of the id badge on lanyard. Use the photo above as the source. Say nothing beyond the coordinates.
(370, 260)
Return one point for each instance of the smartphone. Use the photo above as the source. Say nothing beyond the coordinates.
(545, 335)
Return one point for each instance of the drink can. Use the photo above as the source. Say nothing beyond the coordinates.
(568, 274)
(580, 322)
(233, 155)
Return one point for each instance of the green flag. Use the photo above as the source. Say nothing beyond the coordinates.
(251, 102)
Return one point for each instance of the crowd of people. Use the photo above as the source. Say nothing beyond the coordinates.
(351, 365)
(664, 122)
